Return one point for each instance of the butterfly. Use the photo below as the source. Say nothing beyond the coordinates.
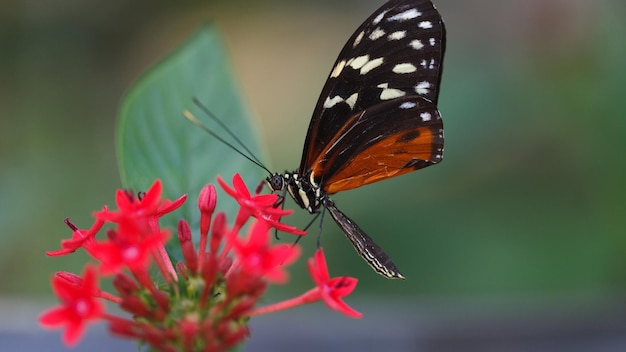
(376, 117)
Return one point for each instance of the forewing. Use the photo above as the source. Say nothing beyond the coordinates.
(398, 51)
(384, 141)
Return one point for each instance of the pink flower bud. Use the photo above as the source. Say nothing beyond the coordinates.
(186, 245)
(207, 199)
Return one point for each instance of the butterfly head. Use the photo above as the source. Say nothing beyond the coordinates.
(276, 182)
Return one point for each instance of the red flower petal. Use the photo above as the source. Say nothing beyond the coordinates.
(332, 290)
(152, 198)
(258, 257)
(169, 206)
(240, 186)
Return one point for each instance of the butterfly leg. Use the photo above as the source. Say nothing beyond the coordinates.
(307, 227)
(280, 202)
(319, 233)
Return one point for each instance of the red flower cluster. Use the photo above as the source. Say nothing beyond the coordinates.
(205, 301)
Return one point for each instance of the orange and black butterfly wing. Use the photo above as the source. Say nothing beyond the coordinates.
(397, 52)
(384, 141)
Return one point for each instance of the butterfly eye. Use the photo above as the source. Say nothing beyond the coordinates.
(276, 182)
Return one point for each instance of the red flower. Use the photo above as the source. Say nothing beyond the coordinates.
(257, 257)
(261, 206)
(129, 205)
(134, 210)
(122, 251)
(79, 238)
(332, 290)
(78, 305)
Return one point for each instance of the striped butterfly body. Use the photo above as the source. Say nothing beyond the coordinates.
(376, 117)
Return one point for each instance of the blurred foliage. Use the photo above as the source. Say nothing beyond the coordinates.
(529, 198)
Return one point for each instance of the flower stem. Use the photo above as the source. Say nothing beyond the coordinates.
(313, 295)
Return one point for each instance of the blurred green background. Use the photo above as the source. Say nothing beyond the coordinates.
(530, 200)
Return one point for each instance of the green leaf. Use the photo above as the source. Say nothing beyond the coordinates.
(154, 140)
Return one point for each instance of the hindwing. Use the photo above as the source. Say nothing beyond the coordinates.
(384, 141)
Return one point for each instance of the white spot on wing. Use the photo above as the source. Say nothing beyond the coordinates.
(422, 88)
(407, 105)
(406, 15)
(432, 41)
(391, 93)
(426, 116)
(358, 62)
(376, 34)
(397, 35)
(358, 39)
(416, 44)
(352, 100)
(337, 70)
(372, 64)
(404, 68)
(425, 25)
(329, 103)
(379, 17)
(428, 65)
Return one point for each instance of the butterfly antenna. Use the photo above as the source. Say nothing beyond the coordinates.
(189, 116)
(223, 125)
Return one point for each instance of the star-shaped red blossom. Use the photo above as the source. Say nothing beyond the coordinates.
(124, 251)
(329, 290)
(257, 256)
(80, 238)
(148, 207)
(79, 305)
(332, 290)
(261, 206)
